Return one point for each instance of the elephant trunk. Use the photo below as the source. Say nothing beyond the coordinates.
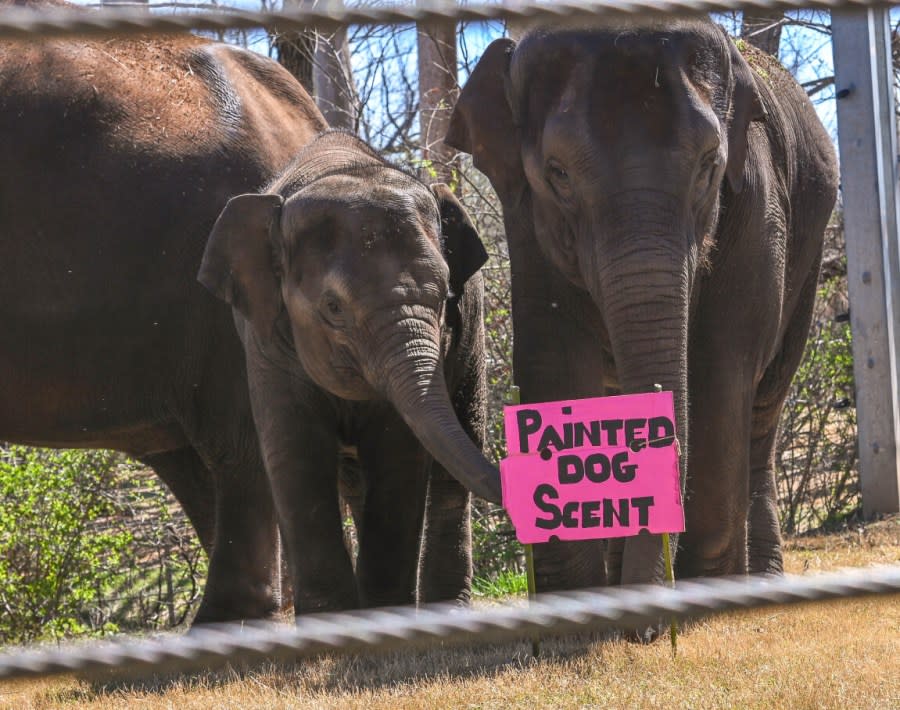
(642, 288)
(411, 375)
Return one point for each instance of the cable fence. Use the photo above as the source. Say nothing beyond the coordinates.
(21, 23)
(383, 629)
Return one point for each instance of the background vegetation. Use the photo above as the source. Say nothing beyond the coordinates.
(89, 544)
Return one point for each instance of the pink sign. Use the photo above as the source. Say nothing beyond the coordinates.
(592, 468)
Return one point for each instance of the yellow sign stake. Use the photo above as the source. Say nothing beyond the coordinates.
(670, 578)
(670, 573)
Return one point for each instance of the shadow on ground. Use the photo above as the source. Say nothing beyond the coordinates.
(352, 673)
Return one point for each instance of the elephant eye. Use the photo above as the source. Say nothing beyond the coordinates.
(332, 309)
(558, 179)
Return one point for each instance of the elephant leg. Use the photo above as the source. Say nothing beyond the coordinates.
(396, 467)
(718, 491)
(614, 549)
(621, 551)
(445, 573)
(244, 578)
(193, 486)
(312, 530)
(764, 526)
(297, 430)
(306, 493)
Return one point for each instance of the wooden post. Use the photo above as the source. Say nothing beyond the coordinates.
(437, 95)
(334, 88)
(867, 139)
(296, 49)
(762, 29)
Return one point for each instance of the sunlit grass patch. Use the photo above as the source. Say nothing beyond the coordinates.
(506, 584)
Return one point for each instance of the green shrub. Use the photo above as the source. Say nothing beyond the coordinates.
(817, 471)
(51, 561)
(160, 583)
(90, 543)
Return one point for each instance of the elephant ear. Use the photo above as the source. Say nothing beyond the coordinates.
(482, 121)
(238, 265)
(463, 250)
(746, 106)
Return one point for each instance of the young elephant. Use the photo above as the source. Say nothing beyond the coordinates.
(357, 294)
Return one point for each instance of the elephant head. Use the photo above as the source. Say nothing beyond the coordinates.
(353, 266)
(611, 148)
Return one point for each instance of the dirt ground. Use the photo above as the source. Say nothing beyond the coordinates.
(833, 655)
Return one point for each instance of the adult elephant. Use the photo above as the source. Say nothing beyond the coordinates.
(665, 197)
(118, 155)
(358, 298)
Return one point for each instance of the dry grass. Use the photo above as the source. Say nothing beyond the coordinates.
(836, 655)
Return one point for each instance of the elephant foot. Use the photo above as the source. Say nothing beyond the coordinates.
(713, 556)
(254, 604)
(457, 593)
(766, 563)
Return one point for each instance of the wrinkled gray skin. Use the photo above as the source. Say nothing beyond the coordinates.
(358, 297)
(664, 205)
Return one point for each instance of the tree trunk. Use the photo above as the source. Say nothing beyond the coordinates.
(334, 88)
(437, 96)
(762, 29)
(296, 50)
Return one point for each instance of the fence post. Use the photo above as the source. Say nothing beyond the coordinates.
(436, 45)
(867, 136)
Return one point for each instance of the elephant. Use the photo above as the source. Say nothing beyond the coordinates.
(118, 155)
(664, 194)
(358, 298)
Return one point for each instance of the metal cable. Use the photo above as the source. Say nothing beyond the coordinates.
(21, 23)
(380, 629)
